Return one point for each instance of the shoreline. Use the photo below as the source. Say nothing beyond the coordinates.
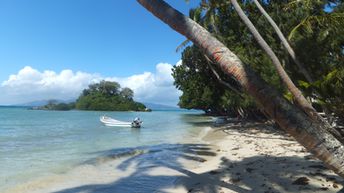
(247, 158)
(258, 158)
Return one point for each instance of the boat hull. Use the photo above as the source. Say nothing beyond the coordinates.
(116, 123)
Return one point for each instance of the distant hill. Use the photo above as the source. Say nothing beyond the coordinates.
(42, 102)
(160, 107)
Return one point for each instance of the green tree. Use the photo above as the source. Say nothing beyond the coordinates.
(127, 93)
(284, 42)
(320, 52)
(296, 93)
(194, 65)
(317, 15)
(105, 87)
(202, 89)
(108, 96)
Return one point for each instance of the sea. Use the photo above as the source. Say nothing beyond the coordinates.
(36, 144)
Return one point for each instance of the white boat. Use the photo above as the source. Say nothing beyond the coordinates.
(108, 121)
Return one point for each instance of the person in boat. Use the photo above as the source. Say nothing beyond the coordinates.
(137, 122)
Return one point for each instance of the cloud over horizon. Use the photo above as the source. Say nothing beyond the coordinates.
(30, 85)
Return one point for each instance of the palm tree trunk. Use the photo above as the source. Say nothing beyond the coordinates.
(297, 94)
(298, 97)
(291, 52)
(284, 42)
(310, 134)
(226, 84)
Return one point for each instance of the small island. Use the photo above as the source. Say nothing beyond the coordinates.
(54, 105)
(102, 96)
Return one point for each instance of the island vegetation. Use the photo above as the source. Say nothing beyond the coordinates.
(108, 96)
(102, 96)
(55, 105)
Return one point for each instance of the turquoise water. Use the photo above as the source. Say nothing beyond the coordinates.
(41, 143)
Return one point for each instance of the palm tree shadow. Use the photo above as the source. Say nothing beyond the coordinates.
(252, 174)
(279, 174)
(167, 158)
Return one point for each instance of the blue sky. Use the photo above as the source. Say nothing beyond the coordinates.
(111, 38)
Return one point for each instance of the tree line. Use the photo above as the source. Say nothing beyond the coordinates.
(315, 66)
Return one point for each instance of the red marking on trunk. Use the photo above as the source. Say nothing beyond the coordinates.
(239, 77)
(231, 70)
(235, 72)
(217, 54)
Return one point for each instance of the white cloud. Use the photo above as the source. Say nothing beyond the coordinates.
(30, 84)
(152, 87)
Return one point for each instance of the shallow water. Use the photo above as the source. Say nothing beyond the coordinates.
(35, 144)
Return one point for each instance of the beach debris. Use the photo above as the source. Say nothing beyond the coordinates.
(310, 157)
(318, 174)
(249, 170)
(330, 179)
(248, 141)
(318, 167)
(214, 172)
(301, 181)
(195, 190)
(235, 180)
(323, 188)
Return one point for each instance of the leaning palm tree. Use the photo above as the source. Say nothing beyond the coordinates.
(312, 135)
(297, 94)
(205, 14)
(285, 42)
(300, 65)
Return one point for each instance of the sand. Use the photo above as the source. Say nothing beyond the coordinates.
(258, 158)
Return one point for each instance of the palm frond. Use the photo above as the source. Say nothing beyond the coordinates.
(334, 21)
(183, 45)
(306, 3)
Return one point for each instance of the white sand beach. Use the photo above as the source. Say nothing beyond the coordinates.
(258, 158)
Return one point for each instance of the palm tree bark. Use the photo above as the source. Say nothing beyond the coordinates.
(226, 84)
(284, 42)
(310, 134)
(297, 94)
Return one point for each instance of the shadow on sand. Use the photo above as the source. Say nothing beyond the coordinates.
(252, 174)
